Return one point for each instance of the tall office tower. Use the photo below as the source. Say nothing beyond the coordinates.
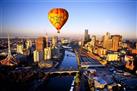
(23, 43)
(136, 45)
(46, 40)
(40, 44)
(54, 40)
(109, 44)
(47, 53)
(28, 44)
(86, 36)
(115, 42)
(20, 48)
(93, 40)
(41, 55)
(106, 39)
(36, 56)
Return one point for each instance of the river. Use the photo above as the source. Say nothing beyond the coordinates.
(54, 83)
(69, 61)
(62, 83)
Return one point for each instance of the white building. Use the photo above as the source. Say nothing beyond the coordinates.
(54, 41)
(93, 40)
(36, 56)
(47, 53)
(28, 44)
(20, 48)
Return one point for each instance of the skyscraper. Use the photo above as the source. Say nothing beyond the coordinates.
(20, 48)
(54, 41)
(106, 40)
(47, 53)
(36, 56)
(136, 45)
(109, 44)
(86, 36)
(93, 40)
(28, 44)
(46, 40)
(40, 44)
(115, 42)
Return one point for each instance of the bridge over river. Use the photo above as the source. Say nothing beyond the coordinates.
(63, 72)
(69, 71)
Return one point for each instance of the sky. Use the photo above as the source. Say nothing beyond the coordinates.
(30, 17)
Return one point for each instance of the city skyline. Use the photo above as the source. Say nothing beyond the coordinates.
(95, 50)
(30, 18)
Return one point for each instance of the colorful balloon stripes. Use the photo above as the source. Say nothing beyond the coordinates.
(58, 17)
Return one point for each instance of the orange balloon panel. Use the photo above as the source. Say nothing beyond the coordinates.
(58, 17)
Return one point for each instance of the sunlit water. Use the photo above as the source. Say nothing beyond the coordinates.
(62, 83)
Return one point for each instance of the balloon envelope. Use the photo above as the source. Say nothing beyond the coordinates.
(58, 17)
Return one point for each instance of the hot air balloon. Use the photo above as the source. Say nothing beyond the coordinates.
(58, 17)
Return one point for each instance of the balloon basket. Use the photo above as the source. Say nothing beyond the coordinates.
(58, 32)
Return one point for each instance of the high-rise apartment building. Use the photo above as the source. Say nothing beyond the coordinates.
(28, 44)
(107, 41)
(115, 42)
(136, 45)
(86, 36)
(36, 56)
(93, 40)
(47, 53)
(46, 40)
(111, 42)
(40, 44)
(20, 48)
(54, 40)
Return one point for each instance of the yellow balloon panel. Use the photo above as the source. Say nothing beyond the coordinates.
(58, 17)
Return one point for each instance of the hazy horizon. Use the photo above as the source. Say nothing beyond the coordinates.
(30, 18)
